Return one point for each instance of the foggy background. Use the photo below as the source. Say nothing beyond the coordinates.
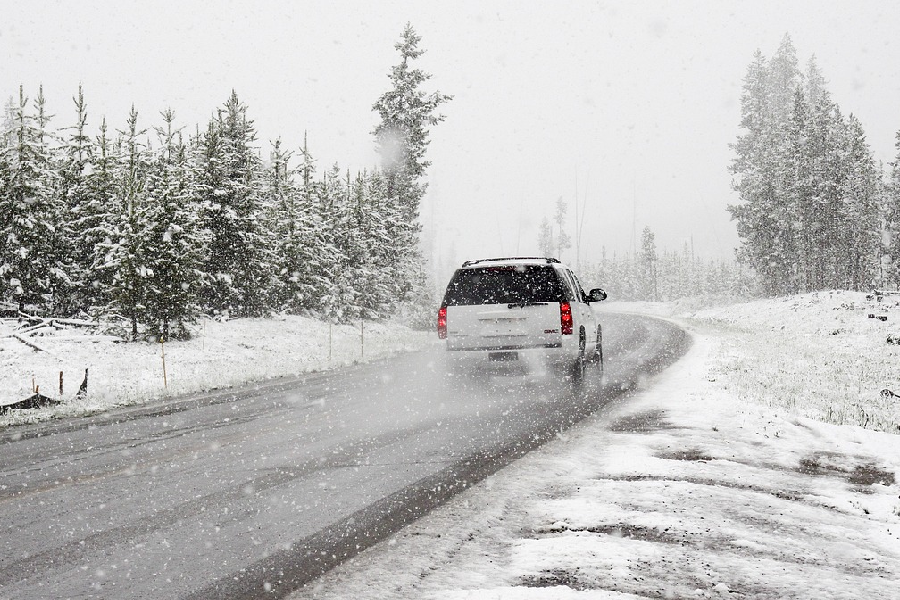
(630, 105)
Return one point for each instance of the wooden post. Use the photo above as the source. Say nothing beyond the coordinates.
(162, 343)
(329, 341)
(60, 384)
(362, 339)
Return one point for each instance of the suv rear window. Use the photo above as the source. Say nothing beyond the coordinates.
(504, 285)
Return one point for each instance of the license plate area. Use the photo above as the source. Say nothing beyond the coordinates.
(503, 356)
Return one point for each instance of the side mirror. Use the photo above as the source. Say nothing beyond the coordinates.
(596, 295)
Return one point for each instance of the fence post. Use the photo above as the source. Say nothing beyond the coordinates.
(162, 344)
(362, 339)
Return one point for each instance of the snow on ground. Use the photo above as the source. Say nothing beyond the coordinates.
(705, 484)
(220, 354)
(750, 469)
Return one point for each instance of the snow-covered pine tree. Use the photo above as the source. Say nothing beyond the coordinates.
(814, 83)
(125, 251)
(891, 235)
(175, 239)
(240, 263)
(752, 176)
(648, 260)
(354, 225)
(339, 299)
(406, 113)
(827, 150)
(30, 271)
(546, 244)
(76, 163)
(783, 79)
(95, 226)
(362, 223)
(864, 200)
(796, 207)
(383, 221)
(297, 229)
(309, 272)
(277, 187)
(563, 239)
(789, 175)
(7, 127)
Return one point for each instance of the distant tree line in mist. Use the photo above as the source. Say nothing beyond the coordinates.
(649, 274)
(663, 276)
(157, 227)
(815, 211)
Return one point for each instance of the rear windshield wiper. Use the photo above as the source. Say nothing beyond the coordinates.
(525, 303)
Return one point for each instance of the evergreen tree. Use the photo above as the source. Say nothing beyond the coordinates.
(809, 193)
(283, 221)
(563, 240)
(94, 226)
(384, 219)
(308, 264)
(754, 177)
(796, 208)
(7, 128)
(75, 196)
(125, 251)
(239, 262)
(891, 238)
(176, 241)
(406, 113)
(783, 79)
(816, 86)
(29, 263)
(545, 238)
(339, 294)
(863, 201)
(827, 145)
(648, 265)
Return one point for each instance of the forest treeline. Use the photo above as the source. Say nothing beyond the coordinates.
(657, 275)
(157, 226)
(815, 211)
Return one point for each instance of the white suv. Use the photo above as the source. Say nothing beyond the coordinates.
(529, 313)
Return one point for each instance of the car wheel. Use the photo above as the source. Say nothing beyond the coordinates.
(578, 366)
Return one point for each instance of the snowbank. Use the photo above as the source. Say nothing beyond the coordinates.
(822, 355)
(221, 354)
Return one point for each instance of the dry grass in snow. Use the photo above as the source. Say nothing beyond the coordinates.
(817, 355)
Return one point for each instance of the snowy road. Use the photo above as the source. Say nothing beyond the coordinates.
(233, 494)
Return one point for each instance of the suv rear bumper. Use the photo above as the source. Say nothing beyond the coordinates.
(505, 347)
(512, 358)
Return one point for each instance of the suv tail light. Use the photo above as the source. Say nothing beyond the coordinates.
(442, 323)
(565, 318)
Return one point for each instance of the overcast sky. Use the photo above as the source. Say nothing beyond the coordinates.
(633, 102)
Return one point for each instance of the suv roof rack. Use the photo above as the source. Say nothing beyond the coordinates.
(548, 259)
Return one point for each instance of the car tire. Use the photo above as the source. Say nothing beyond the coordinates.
(579, 366)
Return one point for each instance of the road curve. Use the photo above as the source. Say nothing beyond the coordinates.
(254, 492)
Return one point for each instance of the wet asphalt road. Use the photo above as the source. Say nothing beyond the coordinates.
(253, 492)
